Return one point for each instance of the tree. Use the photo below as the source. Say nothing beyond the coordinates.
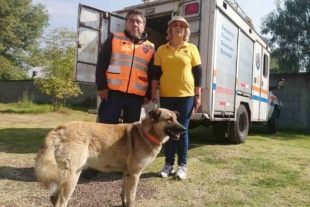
(57, 59)
(289, 30)
(10, 72)
(274, 65)
(21, 24)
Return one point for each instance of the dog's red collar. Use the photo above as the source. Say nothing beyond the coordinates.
(152, 138)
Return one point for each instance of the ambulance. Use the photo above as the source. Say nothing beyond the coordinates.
(235, 60)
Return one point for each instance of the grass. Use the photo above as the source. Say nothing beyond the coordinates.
(267, 170)
(25, 108)
(26, 105)
(32, 108)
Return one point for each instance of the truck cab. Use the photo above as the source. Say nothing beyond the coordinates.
(275, 107)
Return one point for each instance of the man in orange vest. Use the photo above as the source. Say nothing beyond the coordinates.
(122, 74)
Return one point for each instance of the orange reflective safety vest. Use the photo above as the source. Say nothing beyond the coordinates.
(128, 67)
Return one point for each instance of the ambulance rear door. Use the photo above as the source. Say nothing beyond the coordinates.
(93, 27)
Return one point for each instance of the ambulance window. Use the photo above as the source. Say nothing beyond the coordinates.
(266, 66)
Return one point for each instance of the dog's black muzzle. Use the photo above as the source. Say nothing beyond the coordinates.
(175, 131)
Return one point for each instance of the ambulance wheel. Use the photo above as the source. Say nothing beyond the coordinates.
(240, 128)
(273, 122)
(220, 131)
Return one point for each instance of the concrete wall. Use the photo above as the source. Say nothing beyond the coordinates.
(295, 98)
(12, 91)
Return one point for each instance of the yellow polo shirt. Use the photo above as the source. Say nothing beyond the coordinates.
(177, 79)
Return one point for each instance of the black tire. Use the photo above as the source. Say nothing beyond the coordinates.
(220, 131)
(273, 122)
(239, 130)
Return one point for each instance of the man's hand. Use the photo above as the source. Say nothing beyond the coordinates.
(104, 94)
(146, 101)
(154, 97)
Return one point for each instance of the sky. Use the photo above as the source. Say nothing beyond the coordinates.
(63, 13)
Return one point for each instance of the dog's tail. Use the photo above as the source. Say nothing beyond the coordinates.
(46, 169)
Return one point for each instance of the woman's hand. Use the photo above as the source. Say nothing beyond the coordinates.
(197, 102)
(197, 99)
(154, 97)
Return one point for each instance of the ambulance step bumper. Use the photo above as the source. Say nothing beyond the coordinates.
(199, 116)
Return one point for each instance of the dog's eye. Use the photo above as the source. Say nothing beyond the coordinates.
(170, 119)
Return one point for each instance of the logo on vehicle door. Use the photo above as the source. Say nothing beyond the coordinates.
(258, 61)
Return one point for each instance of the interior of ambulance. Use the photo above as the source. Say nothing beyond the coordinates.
(156, 27)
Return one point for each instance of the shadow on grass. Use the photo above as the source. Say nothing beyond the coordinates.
(114, 176)
(81, 108)
(17, 174)
(28, 140)
(28, 175)
(22, 140)
(102, 177)
(282, 134)
(15, 108)
(203, 135)
(24, 111)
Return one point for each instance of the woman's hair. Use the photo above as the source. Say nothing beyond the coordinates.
(186, 34)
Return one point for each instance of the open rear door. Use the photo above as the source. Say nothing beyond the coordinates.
(93, 28)
(264, 87)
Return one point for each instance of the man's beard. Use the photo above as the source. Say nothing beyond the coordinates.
(136, 35)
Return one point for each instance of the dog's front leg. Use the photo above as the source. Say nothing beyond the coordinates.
(123, 195)
(131, 187)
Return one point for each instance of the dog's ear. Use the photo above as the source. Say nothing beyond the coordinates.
(176, 113)
(154, 114)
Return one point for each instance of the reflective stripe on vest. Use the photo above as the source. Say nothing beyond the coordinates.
(119, 82)
(125, 63)
(129, 57)
(115, 81)
(140, 87)
(128, 67)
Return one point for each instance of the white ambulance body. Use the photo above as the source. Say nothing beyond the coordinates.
(235, 59)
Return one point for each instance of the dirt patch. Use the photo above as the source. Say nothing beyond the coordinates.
(103, 191)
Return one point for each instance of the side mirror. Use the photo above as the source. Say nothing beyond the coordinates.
(280, 83)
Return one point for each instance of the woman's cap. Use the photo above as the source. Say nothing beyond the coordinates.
(178, 18)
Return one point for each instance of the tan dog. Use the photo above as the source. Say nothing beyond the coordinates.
(127, 148)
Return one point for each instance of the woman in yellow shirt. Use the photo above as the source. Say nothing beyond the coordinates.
(177, 67)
